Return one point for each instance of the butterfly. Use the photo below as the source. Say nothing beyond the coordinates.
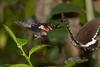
(87, 37)
(39, 29)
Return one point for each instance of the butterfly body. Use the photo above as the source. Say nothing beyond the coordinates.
(41, 29)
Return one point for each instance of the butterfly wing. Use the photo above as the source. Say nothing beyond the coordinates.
(27, 23)
(88, 32)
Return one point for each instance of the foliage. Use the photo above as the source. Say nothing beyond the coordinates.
(74, 61)
(20, 43)
(73, 9)
(22, 9)
(57, 36)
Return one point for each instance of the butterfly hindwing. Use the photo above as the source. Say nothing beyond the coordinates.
(88, 34)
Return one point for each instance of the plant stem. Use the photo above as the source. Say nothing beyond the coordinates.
(25, 55)
(89, 10)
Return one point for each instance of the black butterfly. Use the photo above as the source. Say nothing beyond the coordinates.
(39, 29)
(87, 37)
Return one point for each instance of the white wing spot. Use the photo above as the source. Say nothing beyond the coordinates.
(89, 43)
(93, 39)
(41, 27)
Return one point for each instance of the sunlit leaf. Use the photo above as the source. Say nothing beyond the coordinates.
(22, 42)
(36, 48)
(10, 33)
(19, 65)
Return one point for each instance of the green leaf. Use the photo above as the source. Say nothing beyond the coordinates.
(11, 33)
(73, 61)
(76, 6)
(19, 65)
(18, 41)
(30, 8)
(22, 42)
(36, 48)
(57, 35)
(63, 8)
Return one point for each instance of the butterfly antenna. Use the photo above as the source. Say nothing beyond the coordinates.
(71, 35)
(68, 29)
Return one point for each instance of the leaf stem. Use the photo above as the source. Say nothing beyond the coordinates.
(89, 10)
(25, 55)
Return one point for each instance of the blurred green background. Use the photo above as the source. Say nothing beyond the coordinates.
(61, 48)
